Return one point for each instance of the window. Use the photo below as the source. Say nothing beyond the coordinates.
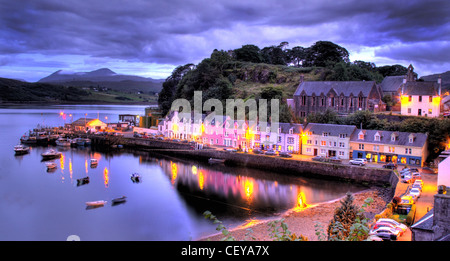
(322, 151)
(279, 139)
(341, 153)
(391, 149)
(360, 102)
(309, 142)
(430, 111)
(430, 99)
(409, 110)
(342, 136)
(377, 137)
(361, 146)
(342, 144)
(291, 131)
(325, 134)
(308, 149)
(322, 101)
(257, 137)
(420, 98)
(304, 100)
(376, 148)
(290, 140)
(361, 136)
(409, 98)
(267, 137)
(323, 143)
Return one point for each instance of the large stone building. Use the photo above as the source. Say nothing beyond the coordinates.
(342, 96)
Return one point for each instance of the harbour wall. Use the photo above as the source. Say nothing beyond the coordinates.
(323, 170)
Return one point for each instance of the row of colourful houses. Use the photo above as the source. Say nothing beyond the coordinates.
(328, 140)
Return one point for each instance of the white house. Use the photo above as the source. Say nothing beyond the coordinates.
(444, 173)
(420, 98)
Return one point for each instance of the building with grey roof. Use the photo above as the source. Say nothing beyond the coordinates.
(327, 140)
(390, 146)
(342, 96)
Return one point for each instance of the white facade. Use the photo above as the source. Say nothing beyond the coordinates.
(444, 173)
(421, 105)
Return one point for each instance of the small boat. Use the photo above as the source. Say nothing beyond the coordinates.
(94, 163)
(51, 154)
(21, 149)
(215, 161)
(120, 200)
(80, 142)
(63, 142)
(136, 178)
(98, 203)
(82, 181)
(28, 139)
(51, 165)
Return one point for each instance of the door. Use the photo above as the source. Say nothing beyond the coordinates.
(315, 152)
(419, 112)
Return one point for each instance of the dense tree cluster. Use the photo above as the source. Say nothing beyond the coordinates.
(212, 75)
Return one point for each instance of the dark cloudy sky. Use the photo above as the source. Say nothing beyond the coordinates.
(151, 38)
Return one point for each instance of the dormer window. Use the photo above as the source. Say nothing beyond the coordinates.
(393, 137)
(411, 138)
(377, 137)
(279, 130)
(291, 131)
(325, 134)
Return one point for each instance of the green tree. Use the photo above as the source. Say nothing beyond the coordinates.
(324, 53)
(248, 53)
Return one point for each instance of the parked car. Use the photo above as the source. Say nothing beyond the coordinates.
(335, 160)
(415, 192)
(419, 181)
(257, 151)
(388, 225)
(384, 231)
(428, 170)
(318, 158)
(270, 152)
(407, 178)
(390, 165)
(359, 162)
(403, 227)
(417, 185)
(285, 154)
(416, 175)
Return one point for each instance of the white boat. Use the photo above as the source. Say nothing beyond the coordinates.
(51, 154)
(94, 162)
(21, 149)
(98, 203)
(63, 142)
(51, 165)
(215, 161)
(136, 178)
(28, 139)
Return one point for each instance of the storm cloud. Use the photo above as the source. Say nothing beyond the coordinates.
(168, 33)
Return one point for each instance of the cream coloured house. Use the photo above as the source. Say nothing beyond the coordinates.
(420, 98)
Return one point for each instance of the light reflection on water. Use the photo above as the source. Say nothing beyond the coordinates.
(167, 205)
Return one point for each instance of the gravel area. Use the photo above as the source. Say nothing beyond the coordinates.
(302, 222)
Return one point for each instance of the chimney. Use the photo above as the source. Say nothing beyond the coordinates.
(439, 81)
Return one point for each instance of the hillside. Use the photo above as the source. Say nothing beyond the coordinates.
(14, 91)
(444, 76)
(104, 78)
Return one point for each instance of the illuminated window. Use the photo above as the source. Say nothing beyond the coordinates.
(391, 149)
(323, 143)
(430, 111)
(403, 160)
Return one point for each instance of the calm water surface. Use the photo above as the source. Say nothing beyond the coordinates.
(167, 204)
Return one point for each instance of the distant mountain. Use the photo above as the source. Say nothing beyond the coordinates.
(444, 76)
(105, 78)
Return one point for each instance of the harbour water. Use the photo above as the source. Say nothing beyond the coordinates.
(167, 204)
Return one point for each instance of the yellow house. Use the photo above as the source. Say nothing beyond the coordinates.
(87, 124)
(390, 146)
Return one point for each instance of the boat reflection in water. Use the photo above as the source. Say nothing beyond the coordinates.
(231, 192)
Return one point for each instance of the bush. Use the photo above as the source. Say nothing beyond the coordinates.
(411, 215)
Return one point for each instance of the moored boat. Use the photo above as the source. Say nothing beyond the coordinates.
(98, 203)
(51, 165)
(80, 142)
(94, 163)
(119, 200)
(63, 142)
(136, 178)
(21, 149)
(82, 181)
(215, 161)
(87, 142)
(51, 154)
(28, 139)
